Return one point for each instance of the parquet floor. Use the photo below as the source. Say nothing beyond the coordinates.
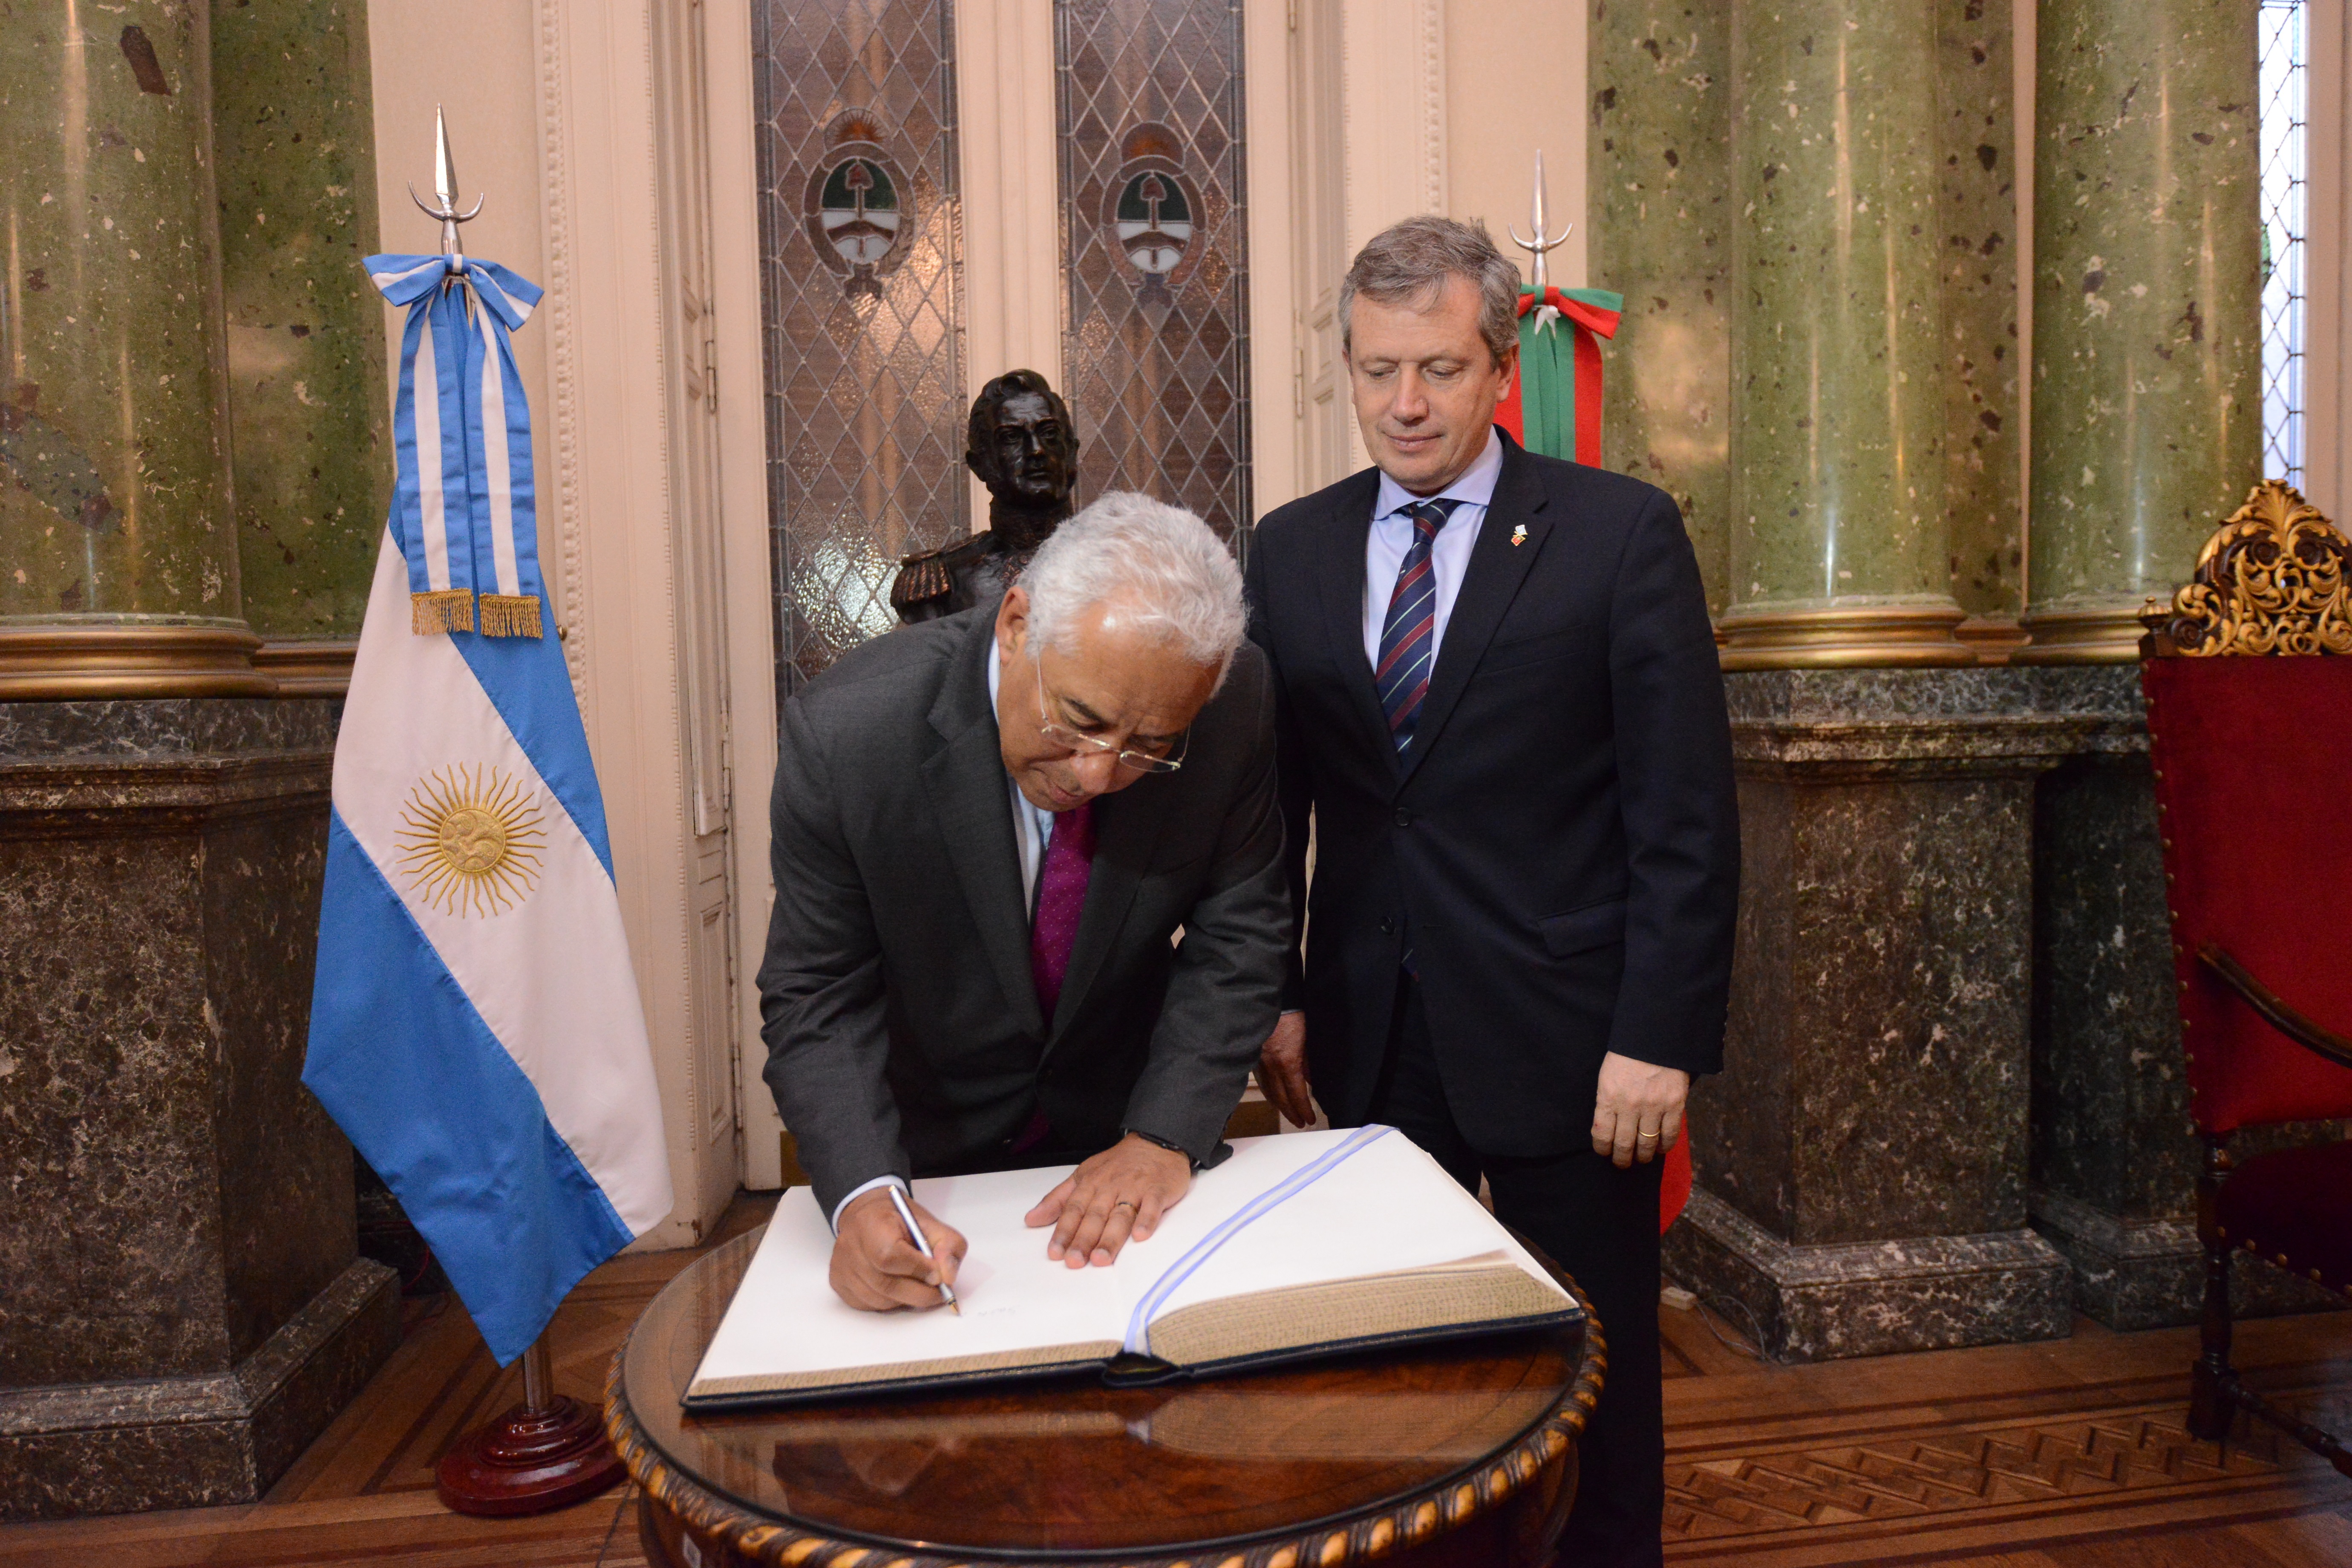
(2068, 1455)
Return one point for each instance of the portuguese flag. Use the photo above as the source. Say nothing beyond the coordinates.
(1554, 407)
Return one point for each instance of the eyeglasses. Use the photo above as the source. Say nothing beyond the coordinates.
(1133, 761)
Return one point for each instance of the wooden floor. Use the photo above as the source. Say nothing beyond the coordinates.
(2068, 1455)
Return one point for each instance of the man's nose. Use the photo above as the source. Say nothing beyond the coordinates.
(1097, 771)
(1412, 396)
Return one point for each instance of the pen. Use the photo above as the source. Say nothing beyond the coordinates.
(915, 1235)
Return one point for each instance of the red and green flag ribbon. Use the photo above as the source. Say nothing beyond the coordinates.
(1554, 407)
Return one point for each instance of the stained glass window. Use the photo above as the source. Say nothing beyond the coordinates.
(861, 254)
(2286, 108)
(1156, 357)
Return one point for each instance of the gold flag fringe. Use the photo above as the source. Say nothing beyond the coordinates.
(442, 610)
(510, 616)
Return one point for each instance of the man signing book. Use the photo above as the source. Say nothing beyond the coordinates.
(989, 829)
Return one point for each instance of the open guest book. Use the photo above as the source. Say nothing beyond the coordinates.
(1303, 1244)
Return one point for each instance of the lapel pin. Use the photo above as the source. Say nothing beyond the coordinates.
(1519, 535)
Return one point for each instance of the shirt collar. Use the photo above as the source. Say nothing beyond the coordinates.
(1473, 486)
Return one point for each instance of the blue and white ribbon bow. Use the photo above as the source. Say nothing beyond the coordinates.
(463, 509)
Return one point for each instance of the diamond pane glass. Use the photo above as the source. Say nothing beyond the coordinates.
(1157, 356)
(860, 264)
(2286, 104)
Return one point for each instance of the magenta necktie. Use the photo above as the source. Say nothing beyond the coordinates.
(1061, 900)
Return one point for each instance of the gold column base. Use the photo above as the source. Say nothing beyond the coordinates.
(306, 668)
(2108, 635)
(85, 661)
(1994, 637)
(1863, 637)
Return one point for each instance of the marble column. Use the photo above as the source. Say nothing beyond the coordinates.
(181, 1306)
(1840, 542)
(295, 139)
(1976, 237)
(118, 541)
(2147, 322)
(1659, 173)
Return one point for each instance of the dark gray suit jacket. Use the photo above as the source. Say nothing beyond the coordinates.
(902, 1025)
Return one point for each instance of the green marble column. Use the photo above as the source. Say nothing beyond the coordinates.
(294, 131)
(118, 543)
(1840, 541)
(1977, 238)
(2147, 308)
(1657, 162)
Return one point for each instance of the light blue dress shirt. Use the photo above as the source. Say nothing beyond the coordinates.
(1392, 536)
(1033, 825)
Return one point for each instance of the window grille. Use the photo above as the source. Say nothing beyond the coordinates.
(2285, 45)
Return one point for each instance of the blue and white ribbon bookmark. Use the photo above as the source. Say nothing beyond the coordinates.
(1139, 1324)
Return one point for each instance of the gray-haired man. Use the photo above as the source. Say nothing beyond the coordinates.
(987, 829)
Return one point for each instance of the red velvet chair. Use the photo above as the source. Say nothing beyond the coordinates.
(2250, 735)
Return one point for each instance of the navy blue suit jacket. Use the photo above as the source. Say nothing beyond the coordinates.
(1560, 845)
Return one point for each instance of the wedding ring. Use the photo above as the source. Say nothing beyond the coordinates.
(1652, 1136)
(1123, 1203)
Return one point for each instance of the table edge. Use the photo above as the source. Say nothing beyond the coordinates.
(1443, 1503)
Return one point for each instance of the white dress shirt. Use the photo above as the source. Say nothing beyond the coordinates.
(1449, 557)
(1032, 828)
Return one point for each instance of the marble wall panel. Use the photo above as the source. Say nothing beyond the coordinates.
(102, 1007)
(288, 1216)
(158, 884)
(1887, 1015)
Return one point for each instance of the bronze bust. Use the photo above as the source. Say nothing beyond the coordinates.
(1021, 443)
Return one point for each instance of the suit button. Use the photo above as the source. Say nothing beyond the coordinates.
(1404, 818)
(1388, 926)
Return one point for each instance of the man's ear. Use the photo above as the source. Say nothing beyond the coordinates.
(972, 460)
(1510, 375)
(1011, 621)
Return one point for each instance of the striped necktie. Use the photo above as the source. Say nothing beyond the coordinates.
(1409, 635)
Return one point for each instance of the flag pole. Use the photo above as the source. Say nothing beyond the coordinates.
(550, 1451)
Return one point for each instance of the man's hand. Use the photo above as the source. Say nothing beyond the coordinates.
(877, 1269)
(1638, 1113)
(1282, 1070)
(1115, 1197)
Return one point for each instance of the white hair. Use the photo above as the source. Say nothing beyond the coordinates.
(1163, 568)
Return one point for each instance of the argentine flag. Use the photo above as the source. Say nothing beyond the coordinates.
(475, 1026)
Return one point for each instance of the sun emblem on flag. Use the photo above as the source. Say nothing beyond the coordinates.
(471, 840)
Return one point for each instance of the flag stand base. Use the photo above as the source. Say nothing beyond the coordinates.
(548, 1452)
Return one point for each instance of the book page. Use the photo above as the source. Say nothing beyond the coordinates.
(1387, 1206)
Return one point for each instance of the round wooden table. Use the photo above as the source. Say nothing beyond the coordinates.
(1461, 1454)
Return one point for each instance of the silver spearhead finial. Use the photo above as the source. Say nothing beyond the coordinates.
(444, 187)
(1542, 242)
(445, 168)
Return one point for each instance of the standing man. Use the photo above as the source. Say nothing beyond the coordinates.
(1497, 693)
(987, 828)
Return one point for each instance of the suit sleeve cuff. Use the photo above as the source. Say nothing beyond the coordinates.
(858, 1192)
